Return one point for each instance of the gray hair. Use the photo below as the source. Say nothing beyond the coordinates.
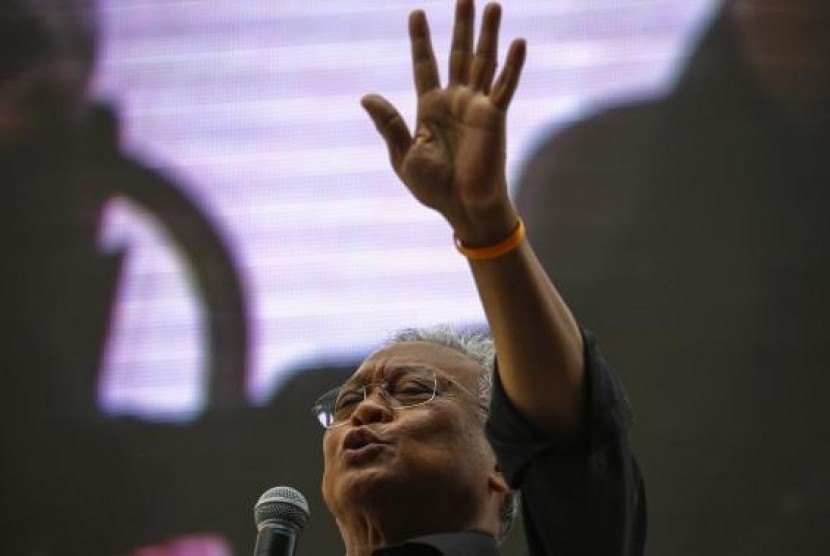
(478, 346)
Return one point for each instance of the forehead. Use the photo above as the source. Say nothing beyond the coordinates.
(425, 355)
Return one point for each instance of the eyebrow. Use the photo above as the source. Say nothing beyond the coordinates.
(395, 370)
(386, 372)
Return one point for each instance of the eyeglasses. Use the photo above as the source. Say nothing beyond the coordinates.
(403, 389)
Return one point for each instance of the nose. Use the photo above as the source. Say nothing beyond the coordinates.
(373, 409)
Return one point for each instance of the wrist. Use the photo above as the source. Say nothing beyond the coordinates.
(494, 250)
(483, 228)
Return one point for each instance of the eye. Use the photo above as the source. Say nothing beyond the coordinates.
(346, 402)
(411, 390)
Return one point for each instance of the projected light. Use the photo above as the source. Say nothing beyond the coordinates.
(252, 109)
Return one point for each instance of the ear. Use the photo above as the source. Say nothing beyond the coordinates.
(496, 481)
(502, 495)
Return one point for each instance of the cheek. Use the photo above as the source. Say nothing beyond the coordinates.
(330, 440)
(330, 443)
(446, 435)
(453, 454)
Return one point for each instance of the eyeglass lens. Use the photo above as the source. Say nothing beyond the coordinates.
(405, 389)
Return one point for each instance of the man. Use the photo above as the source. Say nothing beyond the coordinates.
(408, 469)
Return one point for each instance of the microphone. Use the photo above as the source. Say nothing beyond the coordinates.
(280, 515)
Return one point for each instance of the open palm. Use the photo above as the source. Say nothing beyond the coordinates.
(454, 162)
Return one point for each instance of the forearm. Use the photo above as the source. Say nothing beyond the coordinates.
(453, 162)
(538, 342)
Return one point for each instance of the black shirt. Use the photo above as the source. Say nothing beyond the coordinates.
(444, 544)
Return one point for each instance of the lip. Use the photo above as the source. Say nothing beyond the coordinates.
(361, 445)
(364, 454)
(360, 437)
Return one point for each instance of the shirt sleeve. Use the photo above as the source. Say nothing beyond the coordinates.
(579, 496)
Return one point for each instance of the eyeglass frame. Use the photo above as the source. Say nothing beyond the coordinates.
(318, 408)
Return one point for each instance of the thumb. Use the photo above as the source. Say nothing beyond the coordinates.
(391, 127)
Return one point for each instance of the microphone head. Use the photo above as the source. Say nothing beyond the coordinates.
(282, 504)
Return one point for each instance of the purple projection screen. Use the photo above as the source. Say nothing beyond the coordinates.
(252, 108)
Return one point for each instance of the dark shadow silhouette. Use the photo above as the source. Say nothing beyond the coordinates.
(197, 238)
(692, 233)
(73, 481)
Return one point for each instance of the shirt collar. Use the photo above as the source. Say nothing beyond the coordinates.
(444, 544)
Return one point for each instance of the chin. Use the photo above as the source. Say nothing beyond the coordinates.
(376, 485)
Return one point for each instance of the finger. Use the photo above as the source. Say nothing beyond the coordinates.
(484, 63)
(390, 125)
(424, 68)
(462, 42)
(508, 79)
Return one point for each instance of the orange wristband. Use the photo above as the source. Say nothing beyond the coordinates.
(497, 249)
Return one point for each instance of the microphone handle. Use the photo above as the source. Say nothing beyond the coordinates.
(275, 539)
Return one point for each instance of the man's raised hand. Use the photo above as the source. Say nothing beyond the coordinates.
(455, 162)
